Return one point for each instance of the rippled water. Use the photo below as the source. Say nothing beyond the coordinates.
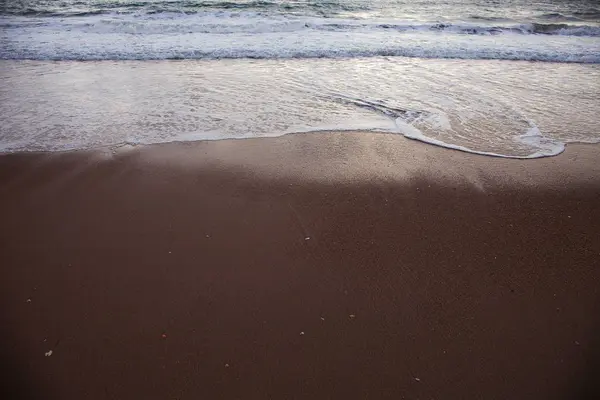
(551, 30)
(514, 109)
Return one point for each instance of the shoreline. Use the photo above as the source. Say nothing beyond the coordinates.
(304, 266)
(115, 148)
(390, 156)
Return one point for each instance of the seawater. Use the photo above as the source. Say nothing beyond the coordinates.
(508, 78)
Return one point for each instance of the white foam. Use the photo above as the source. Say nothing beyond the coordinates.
(213, 35)
(545, 147)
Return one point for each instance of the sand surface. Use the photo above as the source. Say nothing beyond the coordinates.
(313, 266)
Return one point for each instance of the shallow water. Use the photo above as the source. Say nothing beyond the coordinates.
(504, 108)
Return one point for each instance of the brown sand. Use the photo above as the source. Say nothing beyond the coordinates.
(339, 266)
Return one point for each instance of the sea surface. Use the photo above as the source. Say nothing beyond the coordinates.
(509, 78)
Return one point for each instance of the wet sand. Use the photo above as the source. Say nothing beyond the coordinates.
(321, 266)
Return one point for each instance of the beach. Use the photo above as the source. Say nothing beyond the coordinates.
(382, 199)
(323, 265)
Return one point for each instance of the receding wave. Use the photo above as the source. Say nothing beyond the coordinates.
(505, 109)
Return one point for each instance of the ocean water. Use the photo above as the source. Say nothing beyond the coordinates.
(510, 78)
